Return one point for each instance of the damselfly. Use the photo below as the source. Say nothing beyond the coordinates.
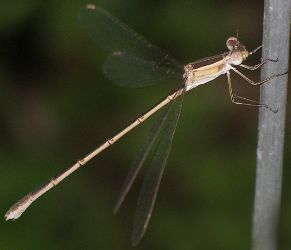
(134, 62)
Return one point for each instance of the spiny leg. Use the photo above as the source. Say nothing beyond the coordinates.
(255, 50)
(256, 66)
(234, 97)
(259, 82)
(259, 64)
(244, 98)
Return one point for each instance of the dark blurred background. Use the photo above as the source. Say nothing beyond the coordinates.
(56, 106)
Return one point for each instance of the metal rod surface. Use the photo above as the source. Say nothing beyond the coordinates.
(276, 38)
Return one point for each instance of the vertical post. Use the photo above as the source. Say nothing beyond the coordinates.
(276, 36)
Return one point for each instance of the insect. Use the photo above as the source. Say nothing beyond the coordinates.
(135, 62)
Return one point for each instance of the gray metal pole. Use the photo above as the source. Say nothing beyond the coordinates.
(276, 36)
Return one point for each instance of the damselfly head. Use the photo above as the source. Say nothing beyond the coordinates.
(232, 43)
(238, 52)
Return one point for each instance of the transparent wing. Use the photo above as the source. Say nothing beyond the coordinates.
(130, 71)
(152, 180)
(141, 157)
(114, 36)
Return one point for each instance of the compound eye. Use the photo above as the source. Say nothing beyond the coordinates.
(231, 43)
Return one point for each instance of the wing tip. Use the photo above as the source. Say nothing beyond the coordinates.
(135, 239)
